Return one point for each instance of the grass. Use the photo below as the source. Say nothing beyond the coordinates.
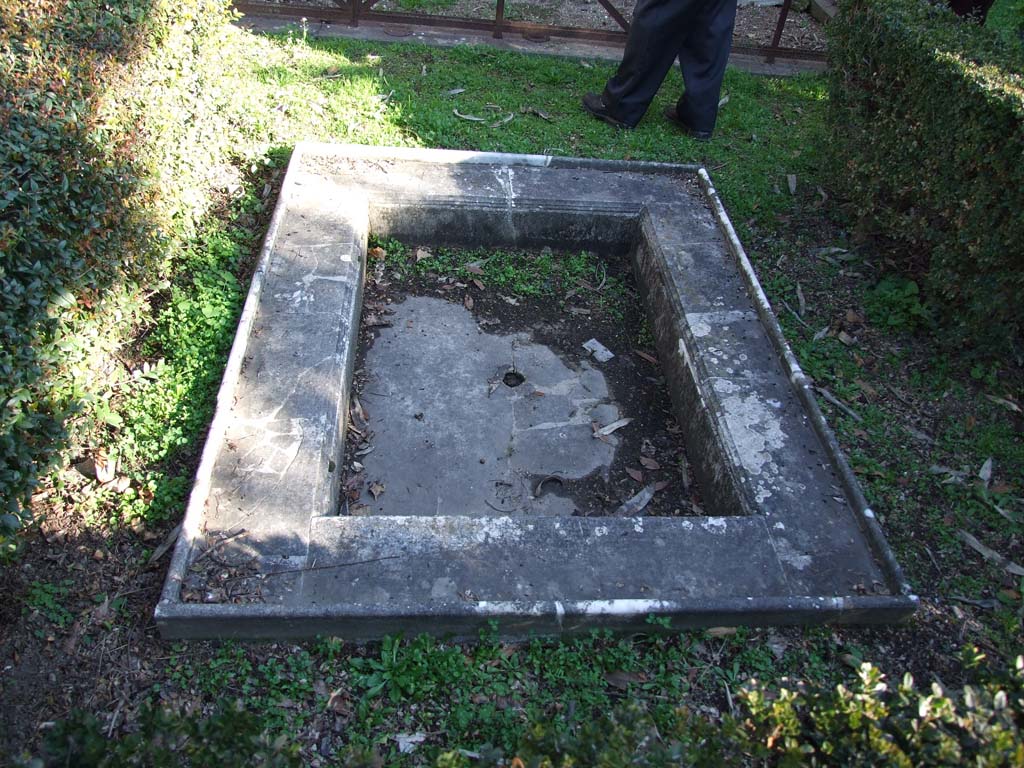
(920, 406)
(525, 274)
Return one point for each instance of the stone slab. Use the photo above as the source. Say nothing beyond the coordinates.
(789, 537)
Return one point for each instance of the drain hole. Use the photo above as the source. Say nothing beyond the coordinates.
(513, 379)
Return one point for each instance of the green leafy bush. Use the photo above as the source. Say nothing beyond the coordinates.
(868, 723)
(895, 302)
(928, 122)
(105, 170)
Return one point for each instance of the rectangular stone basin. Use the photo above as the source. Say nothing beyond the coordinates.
(266, 551)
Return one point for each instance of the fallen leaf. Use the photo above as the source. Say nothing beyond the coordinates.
(646, 356)
(467, 302)
(990, 554)
(847, 339)
(723, 101)
(661, 485)
(985, 473)
(478, 284)
(471, 118)
(607, 430)
(853, 318)
(586, 64)
(649, 463)
(821, 334)
(802, 302)
(504, 121)
(540, 113)
(421, 254)
(600, 352)
(721, 631)
(106, 467)
(407, 742)
(636, 474)
(377, 253)
(474, 268)
(165, 545)
(635, 504)
(339, 702)
(376, 489)
(1007, 404)
(622, 680)
(791, 181)
(454, 91)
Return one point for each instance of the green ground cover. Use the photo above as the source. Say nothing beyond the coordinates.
(933, 432)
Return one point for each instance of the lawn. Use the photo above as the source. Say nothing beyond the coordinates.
(933, 432)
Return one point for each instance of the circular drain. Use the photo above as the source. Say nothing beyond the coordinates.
(513, 379)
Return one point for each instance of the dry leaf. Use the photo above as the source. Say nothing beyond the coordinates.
(605, 431)
(421, 254)
(990, 554)
(473, 268)
(621, 680)
(800, 298)
(646, 356)
(853, 318)
(540, 113)
(1007, 404)
(661, 485)
(821, 334)
(376, 253)
(636, 504)
(721, 631)
(649, 463)
(636, 474)
(791, 181)
(504, 121)
(847, 339)
(478, 284)
(468, 302)
(454, 91)
(471, 118)
(376, 489)
(723, 101)
(985, 473)
(106, 467)
(165, 545)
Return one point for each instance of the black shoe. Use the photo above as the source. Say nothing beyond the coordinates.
(594, 104)
(673, 117)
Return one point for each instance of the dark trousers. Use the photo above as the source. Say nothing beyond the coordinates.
(699, 34)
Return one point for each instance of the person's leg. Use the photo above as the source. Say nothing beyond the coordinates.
(702, 58)
(656, 34)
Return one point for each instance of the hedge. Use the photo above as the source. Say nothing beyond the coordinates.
(104, 169)
(928, 120)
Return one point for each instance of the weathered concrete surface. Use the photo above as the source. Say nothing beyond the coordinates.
(805, 546)
(450, 437)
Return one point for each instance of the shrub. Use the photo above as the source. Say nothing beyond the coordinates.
(105, 169)
(865, 724)
(928, 121)
(166, 737)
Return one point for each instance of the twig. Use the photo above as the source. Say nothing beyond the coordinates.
(829, 397)
(329, 567)
(796, 315)
(499, 509)
(208, 552)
